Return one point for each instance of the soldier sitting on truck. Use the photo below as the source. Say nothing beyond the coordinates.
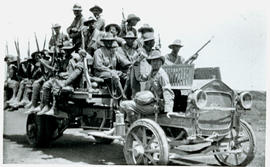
(55, 84)
(105, 62)
(161, 96)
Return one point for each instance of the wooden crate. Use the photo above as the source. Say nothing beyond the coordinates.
(181, 76)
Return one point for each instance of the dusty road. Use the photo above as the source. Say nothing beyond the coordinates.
(76, 148)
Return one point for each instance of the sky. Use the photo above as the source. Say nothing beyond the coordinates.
(239, 28)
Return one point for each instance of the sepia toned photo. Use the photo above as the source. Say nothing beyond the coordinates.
(172, 83)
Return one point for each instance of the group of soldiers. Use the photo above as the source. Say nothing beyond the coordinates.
(127, 58)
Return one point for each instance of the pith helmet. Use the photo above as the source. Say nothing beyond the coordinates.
(148, 36)
(77, 7)
(10, 58)
(146, 27)
(155, 55)
(176, 42)
(108, 37)
(96, 7)
(133, 16)
(114, 25)
(130, 35)
(90, 19)
(56, 25)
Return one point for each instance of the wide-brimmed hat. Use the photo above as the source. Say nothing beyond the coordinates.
(176, 42)
(77, 7)
(67, 45)
(130, 35)
(56, 25)
(155, 54)
(90, 19)
(148, 36)
(133, 17)
(114, 25)
(96, 7)
(146, 27)
(108, 37)
(10, 58)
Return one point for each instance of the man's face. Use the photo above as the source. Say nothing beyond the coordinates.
(176, 48)
(113, 30)
(156, 64)
(77, 12)
(108, 43)
(96, 12)
(57, 30)
(129, 42)
(149, 44)
(133, 22)
(90, 24)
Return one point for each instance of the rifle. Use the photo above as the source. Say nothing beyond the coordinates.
(37, 42)
(17, 47)
(195, 55)
(85, 68)
(7, 48)
(124, 19)
(28, 49)
(44, 44)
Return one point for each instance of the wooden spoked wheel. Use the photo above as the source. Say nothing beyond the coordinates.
(146, 144)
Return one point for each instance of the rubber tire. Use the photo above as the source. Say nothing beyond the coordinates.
(252, 150)
(45, 127)
(160, 135)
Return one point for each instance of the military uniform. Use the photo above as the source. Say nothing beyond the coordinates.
(58, 40)
(100, 23)
(158, 83)
(173, 59)
(126, 28)
(92, 40)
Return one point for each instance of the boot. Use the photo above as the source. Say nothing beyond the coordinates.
(14, 88)
(19, 95)
(53, 110)
(45, 101)
(35, 96)
(25, 100)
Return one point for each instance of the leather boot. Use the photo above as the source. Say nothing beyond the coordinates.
(45, 101)
(14, 86)
(19, 95)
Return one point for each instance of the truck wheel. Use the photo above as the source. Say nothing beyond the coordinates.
(245, 142)
(101, 140)
(146, 143)
(40, 129)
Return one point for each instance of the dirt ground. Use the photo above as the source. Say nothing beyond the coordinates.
(76, 148)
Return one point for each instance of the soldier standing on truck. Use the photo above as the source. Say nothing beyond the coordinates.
(173, 57)
(58, 38)
(129, 24)
(76, 26)
(100, 23)
(91, 36)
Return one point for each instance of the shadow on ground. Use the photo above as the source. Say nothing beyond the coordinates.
(79, 149)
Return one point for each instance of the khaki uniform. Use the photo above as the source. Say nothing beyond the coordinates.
(171, 59)
(159, 84)
(58, 40)
(100, 23)
(92, 40)
(78, 24)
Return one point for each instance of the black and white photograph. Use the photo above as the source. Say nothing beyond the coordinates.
(134, 82)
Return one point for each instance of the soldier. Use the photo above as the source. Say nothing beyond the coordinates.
(105, 62)
(12, 77)
(173, 57)
(58, 38)
(158, 83)
(91, 35)
(55, 85)
(74, 29)
(100, 23)
(132, 21)
(115, 30)
(146, 28)
(128, 55)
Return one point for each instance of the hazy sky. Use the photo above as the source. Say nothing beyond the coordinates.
(239, 27)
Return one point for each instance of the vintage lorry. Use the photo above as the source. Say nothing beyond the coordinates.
(206, 116)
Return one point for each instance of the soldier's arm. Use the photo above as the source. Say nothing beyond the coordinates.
(168, 94)
(98, 62)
